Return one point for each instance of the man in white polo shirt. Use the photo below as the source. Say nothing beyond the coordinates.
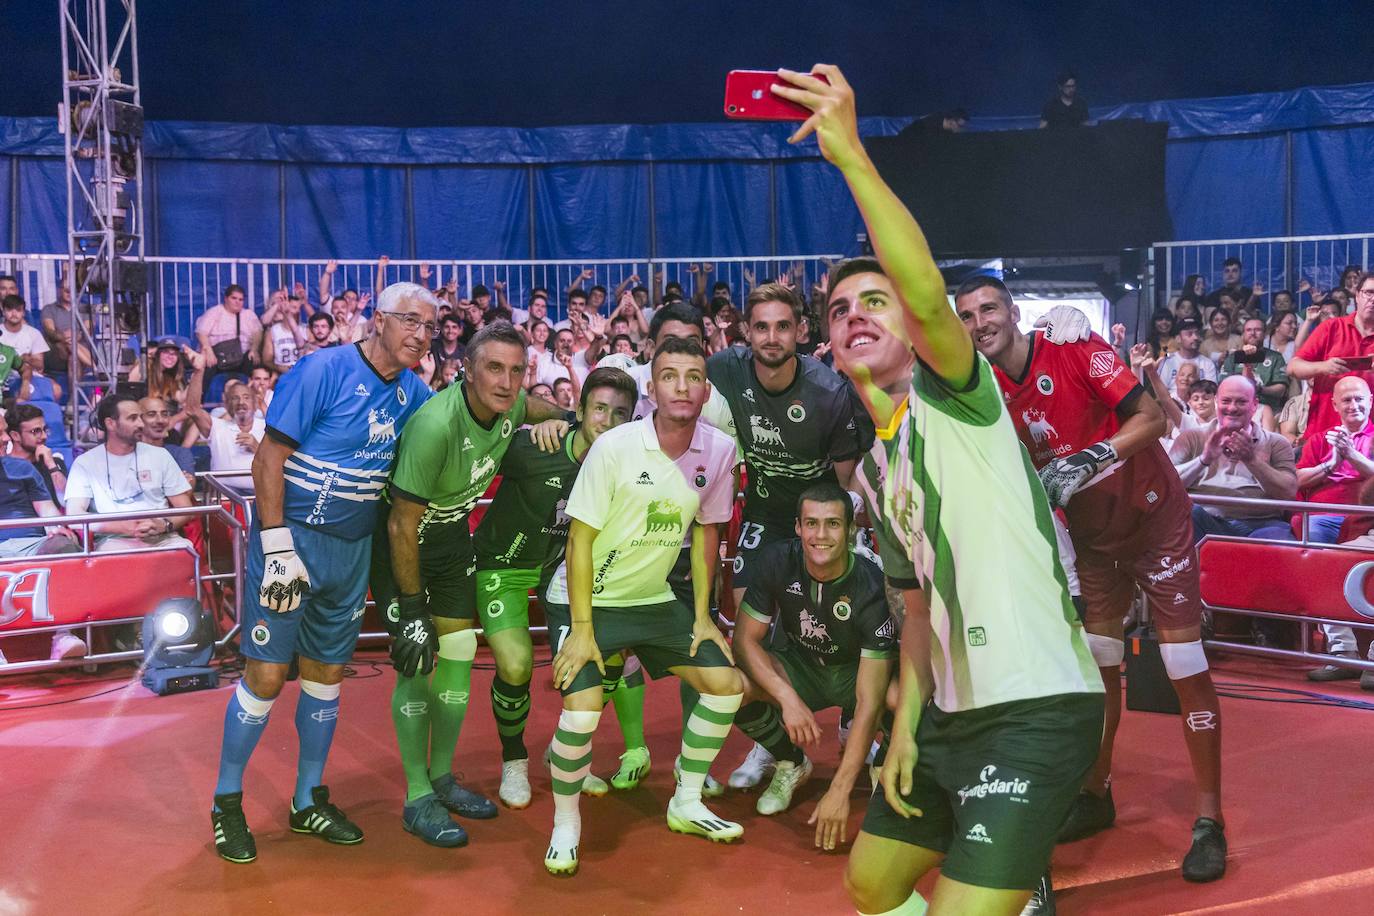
(641, 488)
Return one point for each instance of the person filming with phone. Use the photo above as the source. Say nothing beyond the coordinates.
(1338, 347)
(1261, 365)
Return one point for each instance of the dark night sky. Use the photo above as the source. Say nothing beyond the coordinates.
(520, 63)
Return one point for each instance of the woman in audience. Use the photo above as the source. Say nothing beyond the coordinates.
(1187, 307)
(1350, 279)
(1218, 341)
(1283, 334)
(539, 341)
(168, 365)
(1194, 288)
(449, 371)
(1161, 337)
(1315, 315)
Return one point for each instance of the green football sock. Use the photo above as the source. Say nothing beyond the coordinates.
(628, 698)
(448, 698)
(410, 715)
(761, 722)
(702, 740)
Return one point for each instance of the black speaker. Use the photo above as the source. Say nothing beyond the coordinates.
(1148, 688)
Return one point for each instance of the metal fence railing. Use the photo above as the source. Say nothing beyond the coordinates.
(181, 289)
(1277, 263)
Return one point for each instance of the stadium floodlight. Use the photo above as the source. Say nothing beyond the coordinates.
(178, 641)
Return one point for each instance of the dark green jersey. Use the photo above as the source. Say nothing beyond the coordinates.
(833, 624)
(791, 438)
(1270, 370)
(525, 526)
(446, 459)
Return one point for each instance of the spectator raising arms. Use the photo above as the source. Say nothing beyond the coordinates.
(1338, 347)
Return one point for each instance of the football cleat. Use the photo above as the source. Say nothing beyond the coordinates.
(428, 819)
(758, 765)
(696, 819)
(1089, 814)
(462, 802)
(634, 766)
(1206, 858)
(233, 840)
(325, 819)
(515, 783)
(561, 859)
(787, 776)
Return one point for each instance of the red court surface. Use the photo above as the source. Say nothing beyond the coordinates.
(103, 809)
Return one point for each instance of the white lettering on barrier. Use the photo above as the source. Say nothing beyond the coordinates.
(37, 593)
(1354, 589)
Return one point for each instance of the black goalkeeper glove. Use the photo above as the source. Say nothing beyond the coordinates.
(416, 641)
(1063, 477)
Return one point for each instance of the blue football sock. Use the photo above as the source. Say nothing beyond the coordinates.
(244, 722)
(316, 715)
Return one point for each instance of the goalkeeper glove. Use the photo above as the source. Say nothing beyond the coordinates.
(416, 641)
(284, 578)
(1063, 477)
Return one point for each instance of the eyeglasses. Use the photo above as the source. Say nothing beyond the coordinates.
(1366, 294)
(412, 323)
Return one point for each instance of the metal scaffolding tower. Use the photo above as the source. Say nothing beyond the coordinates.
(102, 120)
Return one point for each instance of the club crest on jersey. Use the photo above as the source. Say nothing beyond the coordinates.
(765, 431)
(796, 413)
(842, 608)
(1101, 365)
(1044, 384)
(401, 395)
(381, 427)
(482, 467)
(700, 479)
(261, 635)
(663, 515)
(1039, 428)
(505, 427)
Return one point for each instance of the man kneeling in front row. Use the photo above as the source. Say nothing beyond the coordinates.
(835, 645)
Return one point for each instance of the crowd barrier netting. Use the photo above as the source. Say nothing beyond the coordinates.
(183, 288)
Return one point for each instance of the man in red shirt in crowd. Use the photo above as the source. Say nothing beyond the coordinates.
(1335, 464)
(1339, 346)
(1093, 434)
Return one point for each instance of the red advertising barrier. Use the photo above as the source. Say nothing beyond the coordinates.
(1288, 578)
(71, 590)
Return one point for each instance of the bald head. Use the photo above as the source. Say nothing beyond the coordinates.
(1351, 398)
(1236, 401)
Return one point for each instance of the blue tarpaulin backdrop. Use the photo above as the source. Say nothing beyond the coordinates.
(671, 190)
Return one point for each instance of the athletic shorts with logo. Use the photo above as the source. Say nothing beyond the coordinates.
(994, 786)
(755, 535)
(1163, 562)
(326, 624)
(819, 687)
(659, 634)
(448, 568)
(503, 598)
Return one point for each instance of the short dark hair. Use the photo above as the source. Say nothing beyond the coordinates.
(773, 292)
(479, 291)
(495, 332)
(607, 377)
(577, 294)
(20, 414)
(827, 491)
(322, 316)
(718, 303)
(108, 408)
(1232, 262)
(449, 319)
(672, 285)
(679, 346)
(641, 289)
(1187, 324)
(598, 288)
(1065, 75)
(11, 277)
(676, 311)
(846, 269)
(233, 288)
(14, 301)
(720, 285)
(625, 337)
(985, 281)
(1203, 386)
(561, 380)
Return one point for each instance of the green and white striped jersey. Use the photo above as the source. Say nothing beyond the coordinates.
(957, 492)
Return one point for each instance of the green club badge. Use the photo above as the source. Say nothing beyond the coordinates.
(261, 635)
(842, 609)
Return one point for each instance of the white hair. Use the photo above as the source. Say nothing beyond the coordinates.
(397, 293)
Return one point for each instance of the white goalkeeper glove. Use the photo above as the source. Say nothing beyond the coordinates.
(1065, 324)
(1063, 477)
(284, 578)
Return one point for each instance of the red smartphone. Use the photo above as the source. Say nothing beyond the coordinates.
(747, 97)
(1358, 363)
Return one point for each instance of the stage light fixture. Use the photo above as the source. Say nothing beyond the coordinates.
(178, 641)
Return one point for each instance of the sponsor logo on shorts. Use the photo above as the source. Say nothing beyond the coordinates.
(977, 636)
(1180, 598)
(1168, 568)
(496, 608)
(842, 608)
(261, 635)
(978, 834)
(1014, 789)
